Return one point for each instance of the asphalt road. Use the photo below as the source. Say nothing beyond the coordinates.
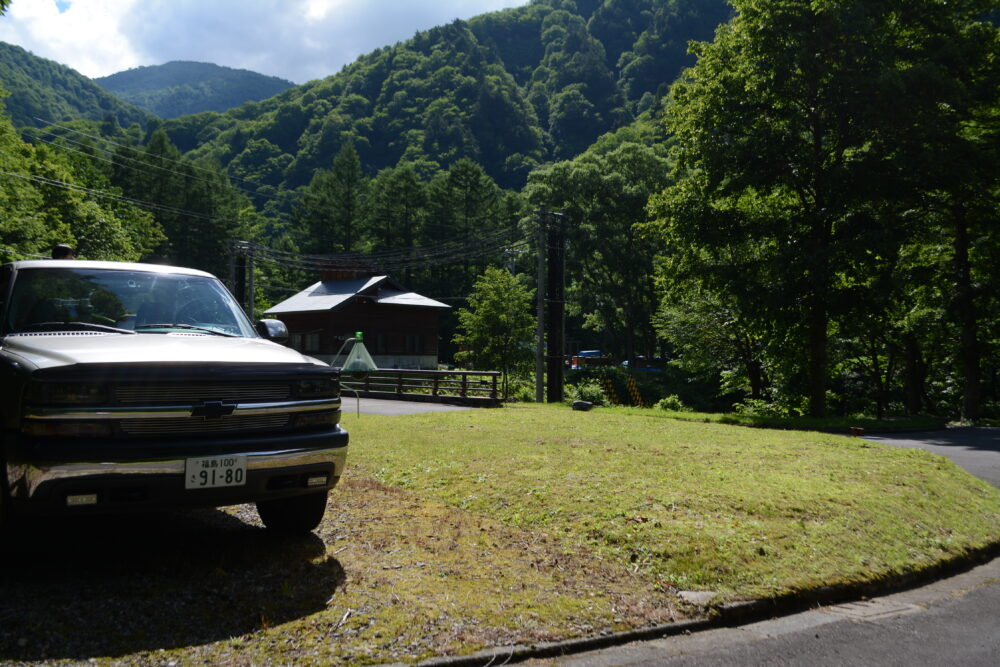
(953, 621)
(380, 406)
(975, 449)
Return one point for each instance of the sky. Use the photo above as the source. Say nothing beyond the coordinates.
(298, 40)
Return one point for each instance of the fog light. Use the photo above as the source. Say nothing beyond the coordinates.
(81, 499)
(317, 480)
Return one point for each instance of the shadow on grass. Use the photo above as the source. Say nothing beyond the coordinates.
(111, 586)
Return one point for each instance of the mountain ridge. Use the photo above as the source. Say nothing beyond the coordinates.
(183, 87)
(42, 91)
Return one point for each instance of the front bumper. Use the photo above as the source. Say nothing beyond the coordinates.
(41, 478)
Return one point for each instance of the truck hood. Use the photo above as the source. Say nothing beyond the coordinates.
(53, 350)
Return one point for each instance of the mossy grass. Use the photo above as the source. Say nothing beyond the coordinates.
(744, 512)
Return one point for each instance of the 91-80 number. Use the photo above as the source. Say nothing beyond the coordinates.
(215, 471)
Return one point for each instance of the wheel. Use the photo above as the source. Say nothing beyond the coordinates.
(293, 516)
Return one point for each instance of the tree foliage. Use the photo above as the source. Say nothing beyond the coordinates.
(496, 330)
(179, 88)
(42, 91)
(797, 133)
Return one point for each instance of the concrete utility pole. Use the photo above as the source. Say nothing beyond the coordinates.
(252, 301)
(240, 272)
(540, 323)
(550, 242)
(557, 305)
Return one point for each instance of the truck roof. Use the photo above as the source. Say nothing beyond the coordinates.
(112, 266)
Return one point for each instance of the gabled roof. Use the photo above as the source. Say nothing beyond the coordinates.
(332, 294)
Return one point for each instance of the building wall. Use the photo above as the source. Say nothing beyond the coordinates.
(396, 336)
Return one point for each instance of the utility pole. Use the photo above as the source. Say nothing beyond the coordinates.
(250, 284)
(240, 272)
(540, 244)
(557, 305)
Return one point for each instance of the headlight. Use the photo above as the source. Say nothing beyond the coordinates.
(318, 388)
(66, 393)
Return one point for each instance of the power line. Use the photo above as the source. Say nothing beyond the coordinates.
(409, 258)
(256, 186)
(115, 160)
(392, 260)
(106, 195)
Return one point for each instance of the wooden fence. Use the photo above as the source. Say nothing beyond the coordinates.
(466, 387)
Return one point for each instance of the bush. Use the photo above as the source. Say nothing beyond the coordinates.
(762, 408)
(589, 391)
(521, 388)
(672, 403)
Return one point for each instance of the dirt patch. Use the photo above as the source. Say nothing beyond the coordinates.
(387, 577)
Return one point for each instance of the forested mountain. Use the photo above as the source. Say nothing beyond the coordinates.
(43, 89)
(183, 87)
(806, 223)
(508, 90)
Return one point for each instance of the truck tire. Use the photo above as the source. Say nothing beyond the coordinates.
(293, 516)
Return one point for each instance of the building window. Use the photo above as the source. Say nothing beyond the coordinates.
(381, 346)
(310, 342)
(414, 344)
(295, 341)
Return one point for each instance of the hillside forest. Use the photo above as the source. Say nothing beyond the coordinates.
(793, 204)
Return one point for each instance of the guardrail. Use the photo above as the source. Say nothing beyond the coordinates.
(467, 387)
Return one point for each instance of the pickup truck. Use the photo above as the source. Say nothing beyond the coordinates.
(132, 387)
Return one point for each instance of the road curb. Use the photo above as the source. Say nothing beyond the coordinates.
(726, 615)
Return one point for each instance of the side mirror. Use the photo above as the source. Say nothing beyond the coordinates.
(273, 330)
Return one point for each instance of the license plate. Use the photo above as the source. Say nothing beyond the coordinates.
(212, 472)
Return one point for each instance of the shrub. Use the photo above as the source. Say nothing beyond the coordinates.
(762, 408)
(589, 391)
(521, 388)
(672, 403)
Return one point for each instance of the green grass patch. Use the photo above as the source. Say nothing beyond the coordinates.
(827, 424)
(740, 511)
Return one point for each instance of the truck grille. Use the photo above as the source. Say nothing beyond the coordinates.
(186, 425)
(153, 394)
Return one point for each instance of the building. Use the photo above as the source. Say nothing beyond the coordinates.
(400, 328)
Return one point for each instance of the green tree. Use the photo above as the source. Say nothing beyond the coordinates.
(330, 208)
(395, 209)
(496, 330)
(791, 136)
(609, 265)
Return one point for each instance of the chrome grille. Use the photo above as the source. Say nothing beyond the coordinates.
(182, 394)
(229, 424)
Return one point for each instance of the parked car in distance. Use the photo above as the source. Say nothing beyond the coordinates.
(587, 358)
(129, 387)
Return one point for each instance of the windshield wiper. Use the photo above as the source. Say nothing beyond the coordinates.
(72, 326)
(189, 327)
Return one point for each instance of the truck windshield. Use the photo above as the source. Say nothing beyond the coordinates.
(109, 299)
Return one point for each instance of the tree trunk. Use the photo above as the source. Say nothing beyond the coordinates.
(818, 319)
(968, 345)
(914, 375)
(755, 375)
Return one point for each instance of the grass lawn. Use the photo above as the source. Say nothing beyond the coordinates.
(454, 532)
(739, 511)
(829, 424)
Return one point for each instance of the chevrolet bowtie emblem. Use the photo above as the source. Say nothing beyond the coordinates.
(213, 409)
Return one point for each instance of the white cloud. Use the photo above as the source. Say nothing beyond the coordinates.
(294, 39)
(84, 36)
